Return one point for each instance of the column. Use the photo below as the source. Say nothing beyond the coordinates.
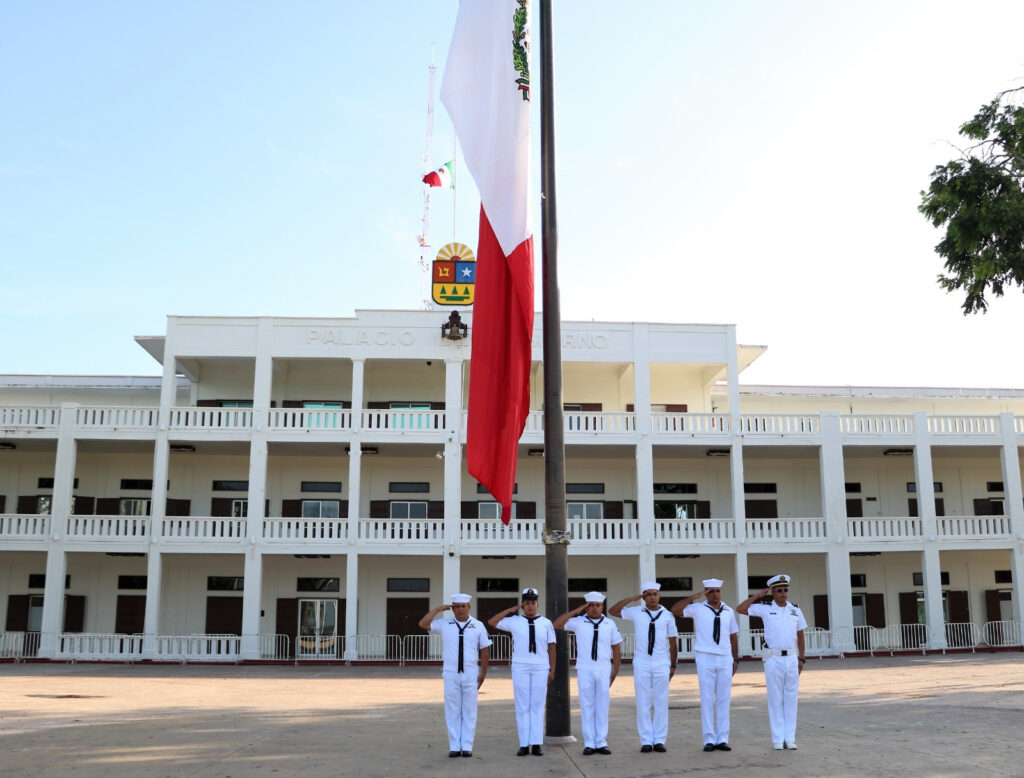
(833, 505)
(355, 451)
(739, 512)
(645, 510)
(60, 508)
(1014, 501)
(252, 600)
(154, 589)
(351, 605)
(452, 462)
(930, 564)
(742, 592)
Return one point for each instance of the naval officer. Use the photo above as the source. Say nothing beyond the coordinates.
(654, 662)
(598, 655)
(465, 651)
(716, 652)
(533, 667)
(784, 626)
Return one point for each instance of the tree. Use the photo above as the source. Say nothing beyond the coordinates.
(979, 199)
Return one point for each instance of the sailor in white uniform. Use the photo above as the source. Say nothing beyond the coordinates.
(784, 626)
(716, 651)
(533, 667)
(598, 655)
(466, 652)
(654, 662)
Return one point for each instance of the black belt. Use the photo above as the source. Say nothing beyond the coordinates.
(784, 652)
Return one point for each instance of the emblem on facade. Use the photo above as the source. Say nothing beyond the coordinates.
(454, 275)
(521, 47)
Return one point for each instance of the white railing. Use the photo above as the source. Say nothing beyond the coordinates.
(898, 637)
(211, 418)
(19, 645)
(29, 417)
(819, 642)
(102, 527)
(596, 530)
(201, 648)
(421, 648)
(1004, 633)
(271, 646)
(750, 642)
(203, 528)
(594, 421)
(493, 531)
(780, 424)
(689, 423)
(402, 421)
(113, 418)
(695, 530)
(401, 530)
(904, 528)
(310, 419)
(962, 634)
(305, 529)
(24, 526)
(963, 425)
(322, 647)
(99, 646)
(369, 648)
(974, 526)
(786, 529)
(876, 425)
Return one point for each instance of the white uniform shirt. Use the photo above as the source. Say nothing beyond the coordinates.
(781, 624)
(664, 628)
(704, 627)
(608, 635)
(519, 626)
(474, 637)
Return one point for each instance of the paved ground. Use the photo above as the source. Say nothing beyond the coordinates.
(923, 716)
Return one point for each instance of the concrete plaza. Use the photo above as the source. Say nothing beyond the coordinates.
(956, 715)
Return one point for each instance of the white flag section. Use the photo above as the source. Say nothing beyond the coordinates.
(483, 92)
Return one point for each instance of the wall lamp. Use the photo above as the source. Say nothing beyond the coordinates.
(717, 452)
(183, 448)
(368, 451)
(898, 452)
(535, 452)
(5, 446)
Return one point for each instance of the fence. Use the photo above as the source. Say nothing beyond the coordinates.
(99, 646)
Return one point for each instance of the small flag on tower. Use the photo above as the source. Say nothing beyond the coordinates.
(441, 177)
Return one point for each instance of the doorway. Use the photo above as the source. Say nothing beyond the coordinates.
(404, 614)
(318, 629)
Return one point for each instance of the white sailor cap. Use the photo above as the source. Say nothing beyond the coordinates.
(593, 597)
(529, 593)
(648, 585)
(461, 599)
(779, 580)
(713, 583)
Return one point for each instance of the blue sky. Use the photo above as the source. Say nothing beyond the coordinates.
(748, 162)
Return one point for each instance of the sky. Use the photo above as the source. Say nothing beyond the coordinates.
(735, 162)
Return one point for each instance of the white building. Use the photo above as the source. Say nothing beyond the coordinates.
(306, 477)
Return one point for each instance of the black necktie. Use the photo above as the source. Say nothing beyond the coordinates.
(593, 646)
(716, 633)
(650, 631)
(533, 635)
(461, 644)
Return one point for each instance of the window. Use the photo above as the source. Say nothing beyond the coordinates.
(239, 509)
(318, 404)
(678, 510)
(235, 403)
(993, 486)
(858, 580)
(230, 486)
(401, 509)
(38, 581)
(912, 487)
(47, 483)
(921, 616)
(481, 489)
(998, 506)
(675, 488)
(408, 584)
(145, 484)
(584, 488)
(492, 510)
(43, 504)
(497, 585)
(319, 509)
(1004, 576)
(757, 582)
(409, 487)
(680, 584)
(135, 582)
(759, 488)
(318, 585)
(225, 583)
(852, 487)
(919, 579)
(134, 507)
(588, 584)
(584, 510)
(321, 486)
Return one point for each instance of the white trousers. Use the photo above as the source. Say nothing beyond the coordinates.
(530, 688)
(714, 672)
(595, 697)
(651, 686)
(460, 696)
(782, 679)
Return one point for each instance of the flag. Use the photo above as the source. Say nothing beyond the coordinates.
(486, 91)
(441, 177)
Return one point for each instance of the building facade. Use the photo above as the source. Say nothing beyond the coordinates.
(298, 487)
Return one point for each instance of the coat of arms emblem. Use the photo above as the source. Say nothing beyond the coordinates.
(454, 275)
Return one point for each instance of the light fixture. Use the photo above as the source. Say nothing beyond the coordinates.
(183, 448)
(535, 452)
(717, 452)
(454, 329)
(5, 446)
(439, 455)
(898, 452)
(366, 450)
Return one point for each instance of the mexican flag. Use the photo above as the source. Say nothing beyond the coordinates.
(486, 91)
(441, 177)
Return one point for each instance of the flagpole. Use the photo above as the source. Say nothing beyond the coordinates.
(555, 536)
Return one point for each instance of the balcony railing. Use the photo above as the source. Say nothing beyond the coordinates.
(493, 531)
(695, 530)
(117, 418)
(106, 527)
(21, 526)
(401, 421)
(401, 530)
(305, 529)
(963, 425)
(598, 530)
(310, 419)
(788, 424)
(788, 530)
(974, 526)
(203, 528)
(211, 419)
(29, 417)
(587, 421)
(689, 423)
(876, 426)
(903, 528)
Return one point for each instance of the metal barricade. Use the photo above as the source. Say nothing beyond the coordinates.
(421, 648)
(371, 648)
(962, 635)
(904, 637)
(1004, 633)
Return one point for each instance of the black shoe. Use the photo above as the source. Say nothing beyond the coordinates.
(538, 751)
(604, 750)
(646, 749)
(523, 751)
(660, 748)
(709, 746)
(453, 754)
(723, 747)
(467, 754)
(588, 751)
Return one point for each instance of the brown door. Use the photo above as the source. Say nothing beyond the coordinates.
(913, 637)
(821, 611)
(17, 613)
(74, 613)
(762, 509)
(223, 615)
(287, 620)
(854, 508)
(993, 612)
(130, 617)
(404, 614)
(488, 606)
(874, 610)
